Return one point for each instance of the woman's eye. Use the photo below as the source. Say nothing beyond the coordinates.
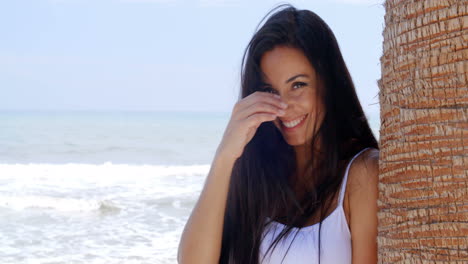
(268, 90)
(298, 85)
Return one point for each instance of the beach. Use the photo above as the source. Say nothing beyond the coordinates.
(102, 187)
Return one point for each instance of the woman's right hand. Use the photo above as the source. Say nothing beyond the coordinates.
(246, 117)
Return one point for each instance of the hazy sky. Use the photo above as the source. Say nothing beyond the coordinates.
(157, 54)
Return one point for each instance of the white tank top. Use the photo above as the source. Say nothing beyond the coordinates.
(335, 244)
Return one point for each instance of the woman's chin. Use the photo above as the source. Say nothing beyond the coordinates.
(295, 142)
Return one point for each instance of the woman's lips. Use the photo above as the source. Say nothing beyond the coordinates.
(288, 129)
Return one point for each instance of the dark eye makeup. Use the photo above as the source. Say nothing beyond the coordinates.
(269, 89)
(300, 84)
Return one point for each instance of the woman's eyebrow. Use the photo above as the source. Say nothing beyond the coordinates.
(296, 76)
(288, 80)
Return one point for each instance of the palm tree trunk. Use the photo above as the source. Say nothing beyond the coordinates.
(423, 189)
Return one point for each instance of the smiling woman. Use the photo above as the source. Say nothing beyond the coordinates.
(298, 91)
(297, 155)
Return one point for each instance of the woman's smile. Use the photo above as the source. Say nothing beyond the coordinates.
(292, 125)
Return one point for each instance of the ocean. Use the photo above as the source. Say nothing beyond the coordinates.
(102, 187)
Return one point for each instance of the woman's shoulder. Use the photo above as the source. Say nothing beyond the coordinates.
(363, 179)
(364, 170)
(362, 185)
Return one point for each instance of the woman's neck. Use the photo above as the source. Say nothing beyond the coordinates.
(306, 166)
(304, 158)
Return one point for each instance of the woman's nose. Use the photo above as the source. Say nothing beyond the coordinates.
(286, 99)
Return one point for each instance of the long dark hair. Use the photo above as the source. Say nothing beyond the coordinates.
(260, 185)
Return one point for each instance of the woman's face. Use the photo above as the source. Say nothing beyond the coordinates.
(289, 74)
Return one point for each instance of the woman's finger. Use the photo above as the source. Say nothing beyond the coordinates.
(256, 119)
(259, 107)
(257, 97)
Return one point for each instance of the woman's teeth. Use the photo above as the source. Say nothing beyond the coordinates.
(294, 122)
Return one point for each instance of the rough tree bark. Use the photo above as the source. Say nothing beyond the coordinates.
(423, 189)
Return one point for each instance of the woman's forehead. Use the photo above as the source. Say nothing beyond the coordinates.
(282, 63)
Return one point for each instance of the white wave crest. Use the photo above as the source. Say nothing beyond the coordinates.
(55, 203)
